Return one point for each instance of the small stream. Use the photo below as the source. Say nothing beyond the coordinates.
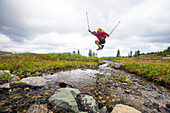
(106, 90)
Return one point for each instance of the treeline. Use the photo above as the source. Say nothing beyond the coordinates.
(90, 54)
(160, 53)
(137, 53)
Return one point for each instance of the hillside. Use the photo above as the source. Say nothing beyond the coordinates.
(165, 52)
(4, 52)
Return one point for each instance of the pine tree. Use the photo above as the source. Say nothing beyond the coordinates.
(135, 55)
(94, 54)
(138, 52)
(130, 53)
(90, 53)
(78, 52)
(118, 53)
(168, 48)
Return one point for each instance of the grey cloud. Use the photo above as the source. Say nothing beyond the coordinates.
(12, 23)
(20, 24)
(160, 39)
(103, 14)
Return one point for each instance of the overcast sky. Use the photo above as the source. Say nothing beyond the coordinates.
(45, 26)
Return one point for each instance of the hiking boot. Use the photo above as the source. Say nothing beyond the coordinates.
(102, 46)
(99, 48)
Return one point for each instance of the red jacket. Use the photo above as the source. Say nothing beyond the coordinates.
(99, 35)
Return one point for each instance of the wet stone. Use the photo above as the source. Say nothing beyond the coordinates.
(62, 83)
(149, 105)
(164, 110)
(120, 108)
(27, 89)
(5, 86)
(33, 82)
(128, 91)
(168, 106)
(138, 93)
(64, 98)
(86, 103)
(38, 109)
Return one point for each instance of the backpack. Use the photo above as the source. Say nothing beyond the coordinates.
(101, 30)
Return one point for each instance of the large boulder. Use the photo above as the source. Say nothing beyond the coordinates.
(116, 65)
(33, 82)
(86, 103)
(64, 99)
(120, 108)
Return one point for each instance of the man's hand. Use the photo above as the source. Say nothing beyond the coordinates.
(89, 30)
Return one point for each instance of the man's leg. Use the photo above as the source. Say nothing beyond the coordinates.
(102, 46)
(97, 42)
(102, 42)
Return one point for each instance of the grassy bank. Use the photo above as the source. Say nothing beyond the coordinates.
(151, 67)
(31, 64)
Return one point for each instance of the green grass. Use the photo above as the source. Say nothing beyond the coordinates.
(153, 72)
(66, 56)
(110, 58)
(5, 77)
(31, 64)
(72, 57)
(151, 67)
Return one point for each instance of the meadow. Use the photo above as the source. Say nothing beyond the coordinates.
(31, 64)
(151, 67)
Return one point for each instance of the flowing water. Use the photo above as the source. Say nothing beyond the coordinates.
(98, 83)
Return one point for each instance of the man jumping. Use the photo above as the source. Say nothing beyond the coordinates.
(101, 35)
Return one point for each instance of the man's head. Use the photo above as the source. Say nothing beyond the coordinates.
(94, 32)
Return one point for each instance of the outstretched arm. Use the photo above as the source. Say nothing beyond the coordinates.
(106, 34)
(90, 31)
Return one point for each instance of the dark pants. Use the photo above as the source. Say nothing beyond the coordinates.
(101, 42)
